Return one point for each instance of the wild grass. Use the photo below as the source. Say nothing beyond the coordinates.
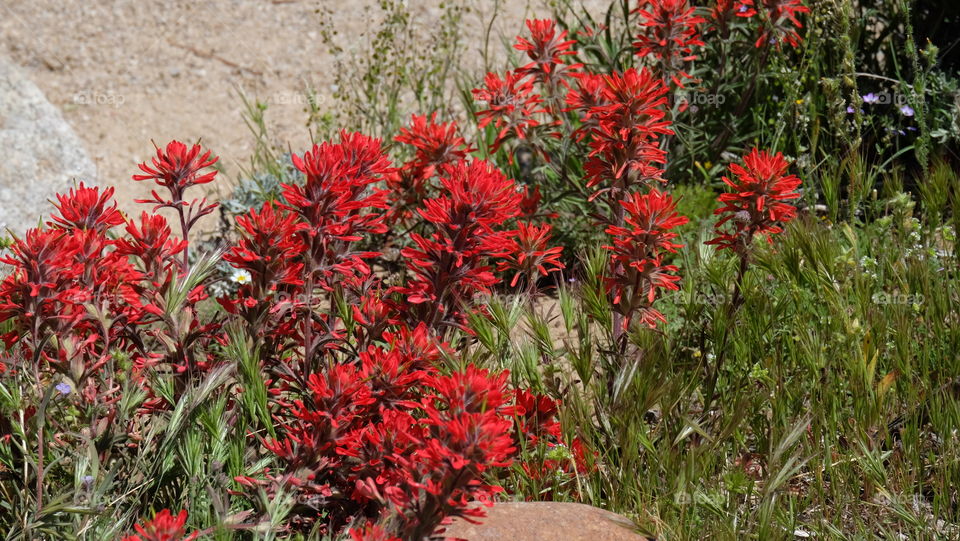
(836, 408)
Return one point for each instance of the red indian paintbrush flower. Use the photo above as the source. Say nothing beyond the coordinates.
(269, 248)
(546, 48)
(756, 206)
(670, 35)
(164, 527)
(371, 532)
(44, 271)
(623, 118)
(529, 253)
(781, 23)
(153, 243)
(436, 144)
(724, 10)
(453, 264)
(86, 208)
(637, 269)
(512, 105)
(337, 205)
(178, 168)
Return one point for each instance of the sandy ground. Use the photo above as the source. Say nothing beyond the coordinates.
(128, 72)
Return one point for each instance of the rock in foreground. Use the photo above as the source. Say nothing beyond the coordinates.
(535, 521)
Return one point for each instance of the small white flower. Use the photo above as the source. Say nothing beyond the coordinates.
(241, 276)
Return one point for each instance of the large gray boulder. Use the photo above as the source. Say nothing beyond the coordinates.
(41, 153)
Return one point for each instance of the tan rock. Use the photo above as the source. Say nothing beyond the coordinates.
(535, 521)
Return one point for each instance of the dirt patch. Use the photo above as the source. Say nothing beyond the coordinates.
(130, 71)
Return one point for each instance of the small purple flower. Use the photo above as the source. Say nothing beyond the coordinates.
(743, 8)
(850, 110)
(63, 388)
(906, 110)
(871, 98)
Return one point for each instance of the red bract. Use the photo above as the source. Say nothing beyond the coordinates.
(623, 117)
(588, 95)
(163, 527)
(435, 143)
(86, 208)
(269, 249)
(546, 48)
(637, 268)
(756, 207)
(43, 276)
(476, 195)
(152, 243)
(390, 439)
(781, 23)
(452, 265)
(337, 204)
(724, 9)
(670, 35)
(529, 253)
(371, 532)
(536, 417)
(468, 423)
(512, 106)
(177, 169)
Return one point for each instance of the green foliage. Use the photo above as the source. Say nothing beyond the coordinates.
(400, 68)
(836, 409)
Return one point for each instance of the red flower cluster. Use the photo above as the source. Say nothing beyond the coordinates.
(436, 144)
(780, 24)
(638, 271)
(545, 463)
(379, 433)
(546, 49)
(77, 283)
(623, 117)
(512, 106)
(529, 254)
(670, 34)
(756, 206)
(453, 264)
(368, 431)
(725, 9)
(81, 295)
(177, 169)
(163, 527)
(389, 437)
